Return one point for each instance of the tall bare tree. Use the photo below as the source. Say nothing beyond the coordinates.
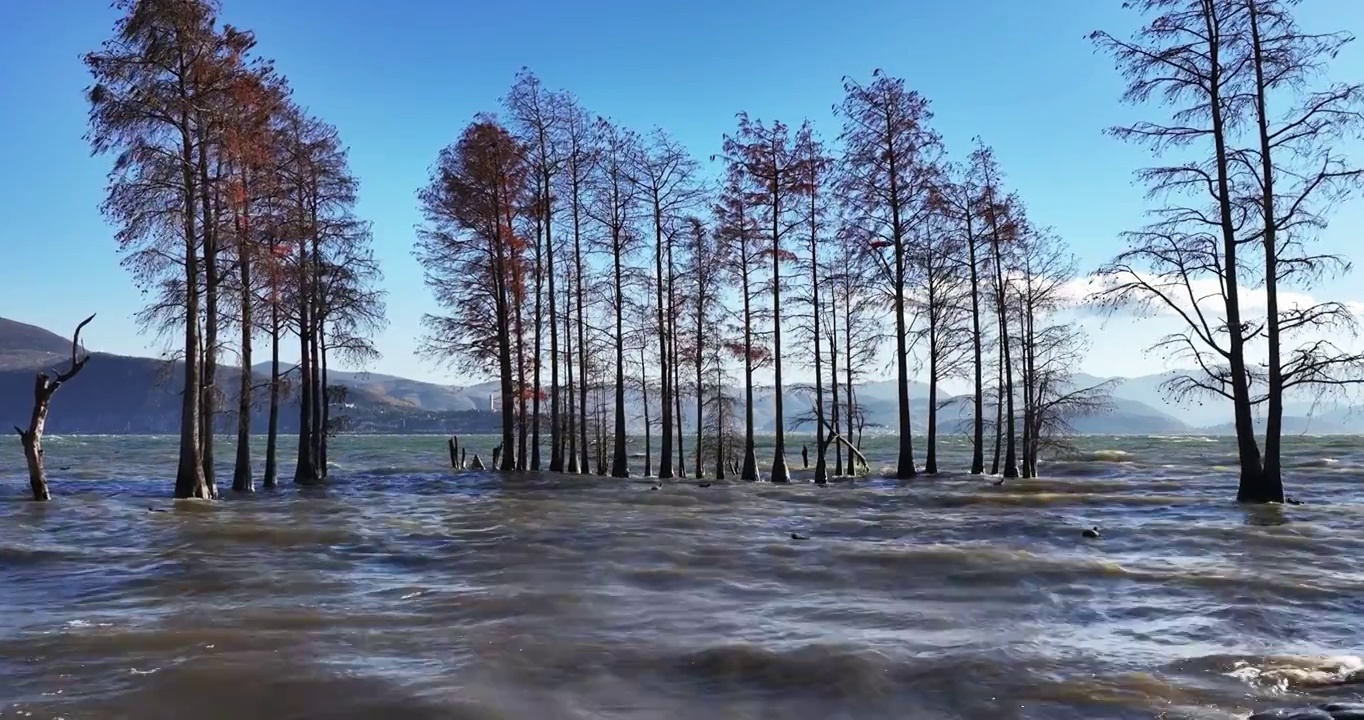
(150, 80)
(1180, 58)
(1300, 175)
(614, 205)
(467, 246)
(665, 174)
(890, 164)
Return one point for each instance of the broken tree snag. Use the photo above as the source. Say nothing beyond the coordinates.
(454, 452)
(44, 387)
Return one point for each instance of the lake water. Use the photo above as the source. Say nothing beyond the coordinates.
(406, 590)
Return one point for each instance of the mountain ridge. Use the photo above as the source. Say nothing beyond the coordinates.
(127, 394)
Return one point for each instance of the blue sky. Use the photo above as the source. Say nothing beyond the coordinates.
(401, 79)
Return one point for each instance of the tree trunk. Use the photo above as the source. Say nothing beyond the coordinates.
(537, 354)
(325, 396)
(750, 468)
(242, 480)
(931, 459)
(821, 471)
(1010, 450)
(556, 443)
(1269, 486)
(1252, 485)
(1025, 348)
(665, 465)
(978, 402)
(305, 472)
(43, 390)
(620, 464)
(851, 404)
(582, 328)
(271, 478)
(999, 415)
(189, 473)
(32, 440)
(208, 402)
(648, 431)
(700, 388)
(521, 415)
(571, 415)
(780, 474)
(835, 420)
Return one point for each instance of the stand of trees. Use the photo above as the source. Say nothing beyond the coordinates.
(1255, 130)
(652, 283)
(235, 214)
(553, 237)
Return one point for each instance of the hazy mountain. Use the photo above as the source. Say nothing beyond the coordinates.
(1212, 415)
(118, 394)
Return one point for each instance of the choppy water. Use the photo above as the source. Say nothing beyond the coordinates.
(403, 590)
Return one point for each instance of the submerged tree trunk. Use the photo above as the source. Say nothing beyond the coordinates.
(620, 464)
(556, 430)
(665, 464)
(271, 478)
(571, 429)
(851, 404)
(821, 470)
(521, 415)
(189, 473)
(582, 330)
(1268, 486)
(835, 420)
(931, 459)
(750, 467)
(44, 388)
(242, 480)
(648, 431)
(999, 416)
(325, 396)
(212, 276)
(978, 402)
(1010, 450)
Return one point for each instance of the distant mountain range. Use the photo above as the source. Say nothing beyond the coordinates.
(121, 394)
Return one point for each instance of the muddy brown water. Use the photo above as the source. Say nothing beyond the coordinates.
(405, 590)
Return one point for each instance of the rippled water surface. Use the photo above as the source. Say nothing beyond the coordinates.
(406, 590)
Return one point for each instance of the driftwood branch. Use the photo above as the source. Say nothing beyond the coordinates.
(44, 387)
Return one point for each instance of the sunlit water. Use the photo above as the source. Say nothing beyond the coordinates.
(406, 590)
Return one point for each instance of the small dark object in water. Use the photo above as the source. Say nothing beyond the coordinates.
(655, 487)
(152, 509)
(68, 467)
(798, 536)
(477, 464)
(1330, 711)
(703, 484)
(998, 482)
(1091, 532)
(1290, 501)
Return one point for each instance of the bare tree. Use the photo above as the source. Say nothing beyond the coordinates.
(1186, 260)
(666, 176)
(737, 229)
(150, 81)
(44, 387)
(466, 247)
(614, 206)
(766, 164)
(538, 115)
(1299, 177)
(890, 163)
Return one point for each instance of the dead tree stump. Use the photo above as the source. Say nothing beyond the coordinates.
(44, 387)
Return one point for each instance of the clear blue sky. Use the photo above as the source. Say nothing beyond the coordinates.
(400, 79)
